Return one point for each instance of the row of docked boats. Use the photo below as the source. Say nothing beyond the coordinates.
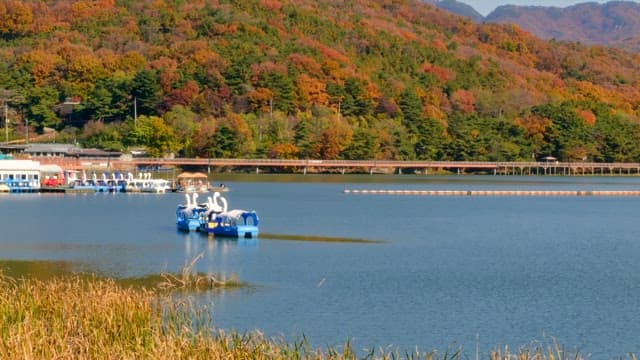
(118, 182)
(31, 176)
(213, 217)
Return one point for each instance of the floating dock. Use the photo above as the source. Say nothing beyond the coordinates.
(496, 192)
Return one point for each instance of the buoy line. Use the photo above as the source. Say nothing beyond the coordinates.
(495, 192)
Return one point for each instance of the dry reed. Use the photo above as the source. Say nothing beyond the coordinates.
(80, 317)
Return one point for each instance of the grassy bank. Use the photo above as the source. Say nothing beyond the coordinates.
(80, 317)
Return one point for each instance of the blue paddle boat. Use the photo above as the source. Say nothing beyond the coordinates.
(189, 216)
(234, 223)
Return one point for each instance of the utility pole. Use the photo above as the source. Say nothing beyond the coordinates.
(135, 112)
(6, 121)
(7, 96)
(271, 108)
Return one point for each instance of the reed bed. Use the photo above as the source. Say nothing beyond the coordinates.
(81, 317)
(77, 317)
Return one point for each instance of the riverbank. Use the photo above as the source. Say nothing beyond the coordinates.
(78, 317)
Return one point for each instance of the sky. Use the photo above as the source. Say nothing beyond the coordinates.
(484, 7)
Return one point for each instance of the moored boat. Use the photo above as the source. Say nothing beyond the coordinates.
(4, 188)
(213, 218)
(192, 182)
(219, 188)
(145, 184)
(219, 221)
(188, 215)
(234, 223)
(20, 175)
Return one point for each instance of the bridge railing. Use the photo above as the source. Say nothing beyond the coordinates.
(349, 163)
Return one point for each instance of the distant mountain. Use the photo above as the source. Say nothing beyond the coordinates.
(459, 8)
(613, 23)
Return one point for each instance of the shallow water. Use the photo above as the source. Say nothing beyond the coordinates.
(442, 272)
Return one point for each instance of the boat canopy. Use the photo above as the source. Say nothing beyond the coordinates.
(241, 216)
(190, 175)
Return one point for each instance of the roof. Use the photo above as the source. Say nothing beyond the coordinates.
(67, 149)
(19, 165)
(49, 148)
(190, 175)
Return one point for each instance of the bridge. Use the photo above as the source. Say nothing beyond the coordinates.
(355, 166)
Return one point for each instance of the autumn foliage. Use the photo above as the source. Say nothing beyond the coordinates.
(311, 79)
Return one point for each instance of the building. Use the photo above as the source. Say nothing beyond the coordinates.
(36, 150)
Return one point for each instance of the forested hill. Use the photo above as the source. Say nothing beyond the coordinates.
(333, 79)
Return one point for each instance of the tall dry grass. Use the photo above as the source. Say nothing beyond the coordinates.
(80, 317)
(89, 318)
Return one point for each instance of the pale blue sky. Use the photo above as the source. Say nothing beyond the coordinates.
(486, 6)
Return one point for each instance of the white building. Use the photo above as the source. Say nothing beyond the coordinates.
(20, 175)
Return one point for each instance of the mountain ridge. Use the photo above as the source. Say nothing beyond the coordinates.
(614, 23)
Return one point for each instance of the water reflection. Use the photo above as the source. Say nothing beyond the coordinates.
(213, 256)
(42, 270)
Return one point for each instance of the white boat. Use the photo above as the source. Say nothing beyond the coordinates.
(20, 175)
(4, 188)
(145, 184)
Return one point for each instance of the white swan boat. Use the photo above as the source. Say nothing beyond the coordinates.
(214, 218)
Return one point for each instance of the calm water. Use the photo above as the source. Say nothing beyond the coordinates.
(448, 272)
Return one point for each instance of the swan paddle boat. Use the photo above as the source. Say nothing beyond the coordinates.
(237, 223)
(233, 223)
(214, 218)
(189, 215)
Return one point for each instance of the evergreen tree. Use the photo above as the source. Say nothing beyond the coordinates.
(411, 107)
(146, 91)
(303, 137)
(363, 145)
(226, 144)
(41, 104)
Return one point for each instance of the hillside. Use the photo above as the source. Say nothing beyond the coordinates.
(385, 79)
(589, 23)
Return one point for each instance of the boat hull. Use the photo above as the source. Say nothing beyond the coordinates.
(188, 218)
(188, 225)
(237, 231)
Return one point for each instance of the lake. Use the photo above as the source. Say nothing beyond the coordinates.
(443, 272)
